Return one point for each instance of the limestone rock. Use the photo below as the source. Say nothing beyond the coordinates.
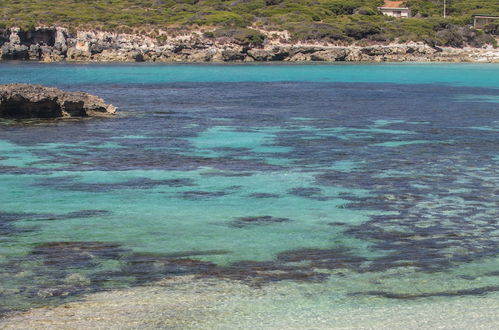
(230, 55)
(35, 101)
(15, 52)
(330, 55)
(58, 44)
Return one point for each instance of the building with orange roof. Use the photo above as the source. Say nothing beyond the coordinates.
(395, 9)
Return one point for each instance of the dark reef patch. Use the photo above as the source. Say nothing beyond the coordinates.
(258, 220)
(86, 214)
(228, 174)
(334, 224)
(150, 154)
(76, 254)
(73, 215)
(308, 192)
(200, 194)
(7, 226)
(409, 296)
(256, 273)
(263, 195)
(323, 258)
(71, 183)
(145, 268)
(4, 312)
(56, 271)
(437, 200)
(23, 170)
(8, 219)
(428, 239)
(184, 254)
(304, 265)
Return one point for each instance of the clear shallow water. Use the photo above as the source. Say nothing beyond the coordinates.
(462, 74)
(362, 181)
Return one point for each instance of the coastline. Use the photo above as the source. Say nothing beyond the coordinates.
(57, 44)
(189, 303)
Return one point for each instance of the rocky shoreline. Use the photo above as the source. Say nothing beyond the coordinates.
(22, 101)
(54, 44)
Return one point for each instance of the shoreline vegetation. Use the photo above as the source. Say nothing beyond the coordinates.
(245, 31)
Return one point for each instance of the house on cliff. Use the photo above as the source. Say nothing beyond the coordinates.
(481, 21)
(395, 9)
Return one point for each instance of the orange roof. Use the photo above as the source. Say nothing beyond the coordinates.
(393, 4)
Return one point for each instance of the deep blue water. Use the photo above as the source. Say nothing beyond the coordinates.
(383, 176)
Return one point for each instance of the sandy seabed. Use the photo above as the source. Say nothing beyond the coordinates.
(188, 303)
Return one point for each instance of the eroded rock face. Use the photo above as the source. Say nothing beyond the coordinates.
(47, 44)
(51, 44)
(35, 101)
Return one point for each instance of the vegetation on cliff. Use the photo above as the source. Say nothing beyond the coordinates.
(341, 21)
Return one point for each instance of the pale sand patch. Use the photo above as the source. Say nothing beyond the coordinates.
(186, 303)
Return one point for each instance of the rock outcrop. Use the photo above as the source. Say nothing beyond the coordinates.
(58, 44)
(35, 101)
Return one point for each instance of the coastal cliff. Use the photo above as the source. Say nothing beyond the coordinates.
(52, 44)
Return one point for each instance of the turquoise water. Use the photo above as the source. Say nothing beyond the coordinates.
(480, 75)
(372, 181)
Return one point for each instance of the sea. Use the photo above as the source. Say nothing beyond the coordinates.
(362, 184)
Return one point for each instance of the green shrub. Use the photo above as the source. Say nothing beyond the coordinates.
(218, 18)
(366, 11)
(273, 2)
(305, 19)
(361, 30)
(317, 31)
(492, 29)
(246, 37)
(27, 25)
(450, 37)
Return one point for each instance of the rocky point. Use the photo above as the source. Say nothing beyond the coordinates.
(35, 101)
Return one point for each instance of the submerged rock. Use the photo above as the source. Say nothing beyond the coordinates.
(258, 220)
(36, 101)
(77, 254)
